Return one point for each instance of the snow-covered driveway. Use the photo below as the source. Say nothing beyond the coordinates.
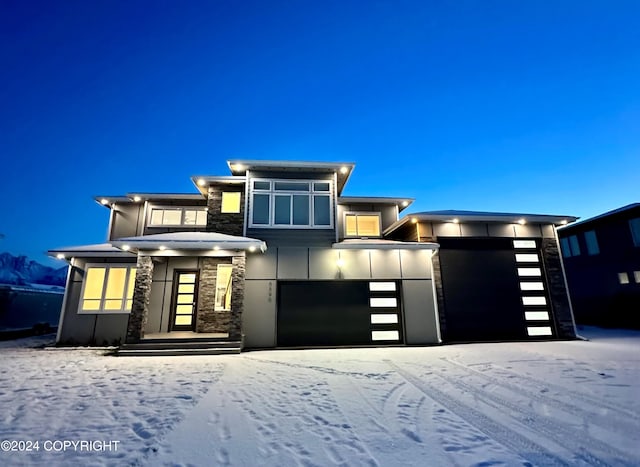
(542, 403)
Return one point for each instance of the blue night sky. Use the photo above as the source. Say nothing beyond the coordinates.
(517, 106)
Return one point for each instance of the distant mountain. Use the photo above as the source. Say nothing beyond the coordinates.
(20, 270)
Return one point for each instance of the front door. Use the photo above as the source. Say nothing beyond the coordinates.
(185, 296)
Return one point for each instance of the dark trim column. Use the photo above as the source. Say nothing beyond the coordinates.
(141, 296)
(558, 294)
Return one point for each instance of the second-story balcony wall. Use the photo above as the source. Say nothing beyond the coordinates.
(292, 208)
(225, 209)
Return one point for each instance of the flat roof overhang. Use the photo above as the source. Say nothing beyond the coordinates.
(189, 241)
(376, 244)
(342, 170)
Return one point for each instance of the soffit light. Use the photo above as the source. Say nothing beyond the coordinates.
(162, 247)
(344, 169)
(216, 247)
(405, 204)
(237, 167)
(564, 222)
(414, 220)
(252, 248)
(201, 182)
(60, 256)
(137, 199)
(104, 201)
(340, 262)
(456, 221)
(522, 221)
(126, 247)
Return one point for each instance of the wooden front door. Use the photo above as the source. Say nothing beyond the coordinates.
(185, 297)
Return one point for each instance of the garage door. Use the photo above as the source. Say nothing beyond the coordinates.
(332, 313)
(493, 290)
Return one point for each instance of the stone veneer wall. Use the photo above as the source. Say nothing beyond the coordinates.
(207, 318)
(558, 293)
(141, 296)
(226, 223)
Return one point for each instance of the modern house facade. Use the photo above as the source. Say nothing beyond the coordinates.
(275, 255)
(602, 261)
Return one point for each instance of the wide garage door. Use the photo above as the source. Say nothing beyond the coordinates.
(483, 291)
(331, 313)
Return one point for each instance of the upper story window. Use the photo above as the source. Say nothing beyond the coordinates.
(592, 242)
(291, 203)
(108, 289)
(230, 202)
(634, 224)
(362, 224)
(570, 246)
(162, 217)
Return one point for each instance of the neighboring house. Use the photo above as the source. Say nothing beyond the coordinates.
(28, 308)
(275, 256)
(602, 262)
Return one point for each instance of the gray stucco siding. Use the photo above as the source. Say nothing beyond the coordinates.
(126, 221)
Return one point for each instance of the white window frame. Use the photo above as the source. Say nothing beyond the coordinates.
(102, 311)
(182, 210)
(272, 193)
(362, 213)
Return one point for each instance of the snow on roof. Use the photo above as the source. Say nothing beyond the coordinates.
(190, 241)
(379, 244)
(89, 251)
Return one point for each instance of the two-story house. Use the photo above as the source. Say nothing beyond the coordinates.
(602, 261)
(275, 256)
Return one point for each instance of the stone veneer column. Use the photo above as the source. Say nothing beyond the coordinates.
(558, 293)
(207, 318)
(141, 296)
(227, 223)
(237, 296)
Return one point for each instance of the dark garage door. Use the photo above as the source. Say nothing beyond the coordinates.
(331, 313)
(481, 289)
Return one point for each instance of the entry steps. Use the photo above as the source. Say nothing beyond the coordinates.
(175, 347)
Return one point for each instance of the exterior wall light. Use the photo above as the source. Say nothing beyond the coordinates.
(340, 263)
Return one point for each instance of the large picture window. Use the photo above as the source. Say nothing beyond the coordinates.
(178, 216)
(108, 289)
(291, 203)
(362, 224)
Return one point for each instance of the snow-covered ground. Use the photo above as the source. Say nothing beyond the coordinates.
(536, 403)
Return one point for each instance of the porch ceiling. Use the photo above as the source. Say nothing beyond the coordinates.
(189, 241)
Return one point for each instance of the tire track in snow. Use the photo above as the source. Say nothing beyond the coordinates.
(518, 443)
(587, 399)
(571, 439)
(622, 425)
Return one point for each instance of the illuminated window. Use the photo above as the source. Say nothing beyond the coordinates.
(230, 202)
(362, 225)
(108, 289)
(178, 216)
(623, 278)
(223, 287)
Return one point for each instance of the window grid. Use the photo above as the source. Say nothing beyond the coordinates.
(281, 197)
(104, 292)
(174, 217)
